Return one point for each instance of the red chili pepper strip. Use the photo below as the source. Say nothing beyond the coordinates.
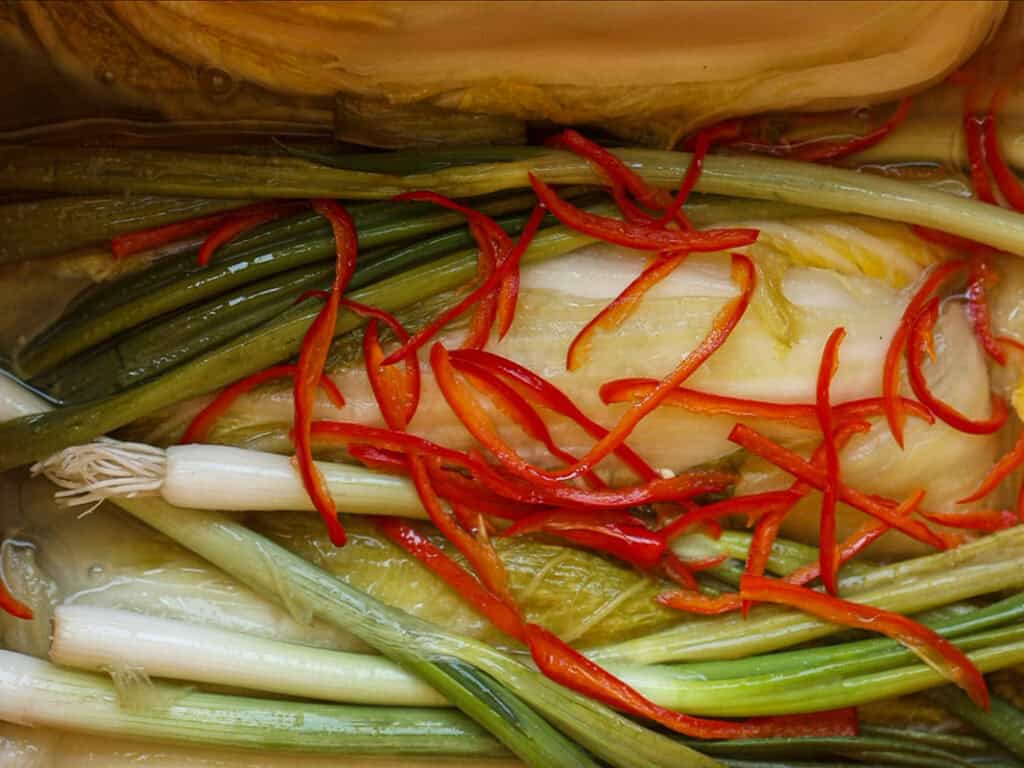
(636, 235)
(704, 605)
(700, 150)
(553, 398)
(347, 433)
(484, 289)
(471, 590)
(233, 226)
(947, 239)
(516, 407)
(816, 477)
(827, 151)
(12, 605)
(973, 129)
(613, 531)
(940, 654)
(616, 171)
(800, 415)
(979, 277)
(728, 317)
(313, 355)
(1006, 179)
(131, 243)
(1002, 469)
(919, 343)
(827, 526)
(199, 428)
(675, 569)
(620, 308)
(479, 424)
(985, 520)
(895, 413)
(572, 669)
(754, 504)
(397, 393)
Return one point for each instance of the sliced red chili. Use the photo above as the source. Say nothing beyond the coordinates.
(233, 226)
(973, 133)
(689, 601)
(701, 146)
(1002, 470)
(313, 355)
(463, 582)
(827, 527)
(1007, 181)
(12, 605)
(566, 666)
(349, 433)
(752, 505)
(640, 236)
(553, 398)
(980, 276)
(620, 308)
(828, 151)
(618, 533)
(141, 240)
(895, 413)
(486, 288)
(985, 520)
(797, 414)
(816, 477)
(920, 342)
(199, 428)
(936, 651)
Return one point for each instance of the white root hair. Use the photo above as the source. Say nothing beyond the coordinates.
(102, 469)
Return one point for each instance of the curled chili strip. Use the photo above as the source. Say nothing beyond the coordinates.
(976, 158)
(463, 582)
(940, 654)
(827, 151)
(800, 415)
(493, 281)
(986, 520)
(725, 321)
(816, 477)
(199, 428)
(620, 308)
(141, 240)
(1002, 469)
(920, 342)
(312, 356)
(641, 236)
(1007, 181)
(234, 225)
(701, 146)
(895, 412)
(827, 527)
(566, 666)
(12, 605)
(616, 532)
(979, 277)
(553, 398)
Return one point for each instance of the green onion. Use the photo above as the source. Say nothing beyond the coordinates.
(209, 175)
(1003, 722)
(40, 694)
(419, 647)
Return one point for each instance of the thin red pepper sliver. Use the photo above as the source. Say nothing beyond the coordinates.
(514, 405)
(1007, 181)
(1013, 459)
(985, 520)
(800, 415)
(613, 531)
(979, 276)
(827, 526)
(816, 477)
(479, 424)
(936, 651)
(553, 398)
(493, 282)
(348, 433)
(701, 146)
(754, 504)
(976, 158)
(312, 356)
(199, 428)
(820, 152)
(566, 666)
(469, 588)
(12, 605)
(141, 240)
(920, 341)
(895, 413)
(690, 601)
(640, 236)
(725, 321)
(620, 308)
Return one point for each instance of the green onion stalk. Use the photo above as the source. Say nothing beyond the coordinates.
(80, 171)
(464, 671)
